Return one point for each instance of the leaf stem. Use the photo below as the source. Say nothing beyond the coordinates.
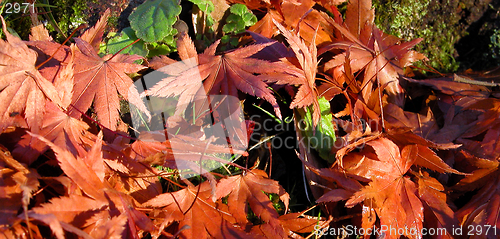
(124, 49)
(268, 113)
(67, 39)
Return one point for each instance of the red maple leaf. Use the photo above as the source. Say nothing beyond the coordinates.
(392, 194)
(381, 56)
(24, 89)
(94, 35)
(301, 15)
(88, 173)
(483, 208)
(59, 128)
(397, 199)
(223, 74)
(250, 188)
(99, 80)
(307, 57)
(438, 213)
(197, 214)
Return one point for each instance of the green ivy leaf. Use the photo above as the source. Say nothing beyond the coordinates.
(126, 37)
(234, 41)
(210, 21)
(153, 20)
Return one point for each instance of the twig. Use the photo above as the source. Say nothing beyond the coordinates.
(463, 79)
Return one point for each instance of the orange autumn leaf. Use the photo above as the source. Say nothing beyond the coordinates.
(99, 80)
(24, 89)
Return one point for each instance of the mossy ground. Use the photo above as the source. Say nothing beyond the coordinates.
(68, 15)
(443, 24)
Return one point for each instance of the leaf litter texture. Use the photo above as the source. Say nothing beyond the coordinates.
(412, 174)
(79, 155)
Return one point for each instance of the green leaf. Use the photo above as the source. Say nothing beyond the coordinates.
(239, 19)
(229, 27)
(153, 20)
(126, 37)
(249, 19)
(224, 39)
(238, 9)
(326, 126)
(240, 27)
(11, 31)
(323, 138)
(158, 49)
(233, 18)
(234, 41)
(210, 20)
(204, 5)
(170, 39)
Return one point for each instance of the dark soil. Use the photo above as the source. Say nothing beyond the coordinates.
(474, 49)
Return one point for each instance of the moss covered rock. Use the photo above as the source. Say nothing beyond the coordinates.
(442, 23)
